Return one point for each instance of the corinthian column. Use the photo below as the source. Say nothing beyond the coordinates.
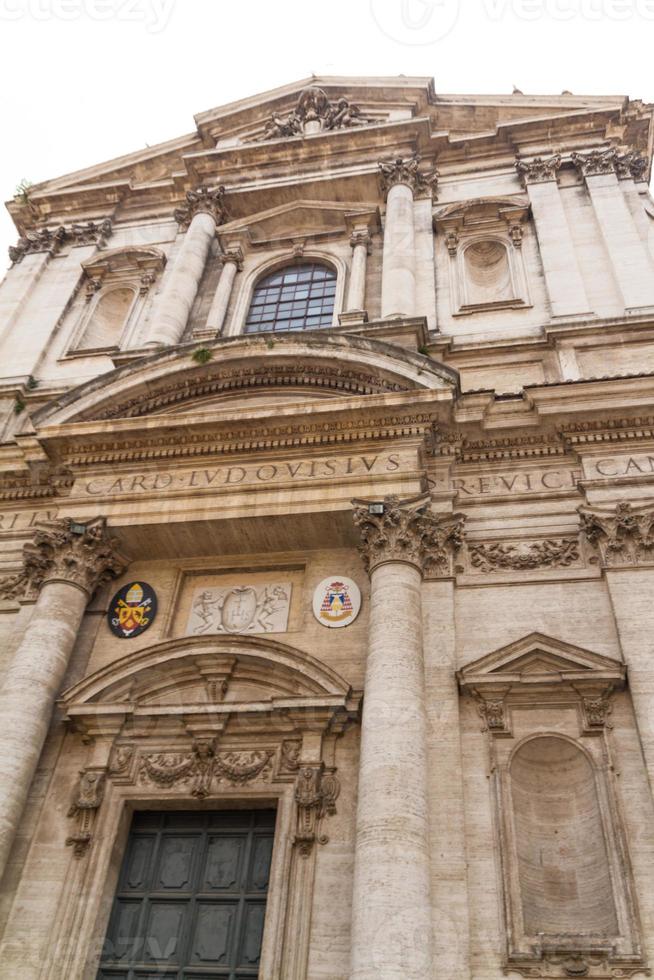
(232, 262)
(204, 210)
(391, 916)
(401, 180)
(66, 562)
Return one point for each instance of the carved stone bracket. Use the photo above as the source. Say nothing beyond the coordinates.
(538, 170)
(63, 550)
(316, 792)
(202, 200)
(313, 113)
(405, 171)
(397, 530)
(623, 536)
(86, 803)
(494, 714)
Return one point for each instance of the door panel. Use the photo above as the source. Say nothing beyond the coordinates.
(191, 897)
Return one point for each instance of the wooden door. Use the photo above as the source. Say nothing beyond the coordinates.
(191, 897)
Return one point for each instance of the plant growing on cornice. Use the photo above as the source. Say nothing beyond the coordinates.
(269, 342)
(31, 383)
(423, 350)
(21, 194)
(202, 355)
(19, 405)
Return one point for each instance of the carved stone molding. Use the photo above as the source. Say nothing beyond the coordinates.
(596, 162)
(316, 792)
(313, 113)
(624, 536)
(538, 170)
(528, 555)
(63, 550)
(202, 200)
(42, 240)
(405, 171)
(86, 803)
(404, 531)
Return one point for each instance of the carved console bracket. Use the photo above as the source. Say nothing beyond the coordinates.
(395, 530)
(316, 792)
(86, 803)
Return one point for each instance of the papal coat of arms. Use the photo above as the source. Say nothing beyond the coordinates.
(241, 609)
(132, 610)
(336, 601)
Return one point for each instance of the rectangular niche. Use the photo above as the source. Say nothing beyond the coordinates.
(238, 602)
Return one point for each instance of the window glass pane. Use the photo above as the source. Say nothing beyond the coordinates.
(298, 297)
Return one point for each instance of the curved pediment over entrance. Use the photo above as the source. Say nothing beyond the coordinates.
(258, 369)
(207, 670)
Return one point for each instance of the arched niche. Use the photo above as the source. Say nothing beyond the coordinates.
(487, 273)
(108, 318)
(563, 865)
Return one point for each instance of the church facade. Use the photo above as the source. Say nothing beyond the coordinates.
(327, 546)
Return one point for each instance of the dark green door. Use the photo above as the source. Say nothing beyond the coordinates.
(191, 897)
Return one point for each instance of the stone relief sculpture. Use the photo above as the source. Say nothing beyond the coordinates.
(240, 609)
(314, 113)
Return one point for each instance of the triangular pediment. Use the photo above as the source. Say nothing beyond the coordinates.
(538, 658)
(301, 219)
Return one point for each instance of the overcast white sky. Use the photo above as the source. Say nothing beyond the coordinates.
(86, 80)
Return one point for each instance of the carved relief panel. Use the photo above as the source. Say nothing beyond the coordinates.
(568, 896)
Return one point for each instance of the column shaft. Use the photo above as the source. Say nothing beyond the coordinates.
(632, 265)
(171, 313)
(398, 267)
(565, 285)
(356, 295)
(391, 927)
(30, 687)
(218, 311)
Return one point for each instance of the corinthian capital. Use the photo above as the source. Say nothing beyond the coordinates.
(631, 165)
(64, 551)
(596, 162)
(623, 535)
(538, 171)
(400, 171)
(39, 240)
(202, 201)
(397, 530)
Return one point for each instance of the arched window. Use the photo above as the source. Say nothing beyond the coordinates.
(297, 297)
(108, 319)
(563, 867)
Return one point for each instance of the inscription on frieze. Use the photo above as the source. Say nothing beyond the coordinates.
(248, 609)
(508, 482)
(226, 477)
